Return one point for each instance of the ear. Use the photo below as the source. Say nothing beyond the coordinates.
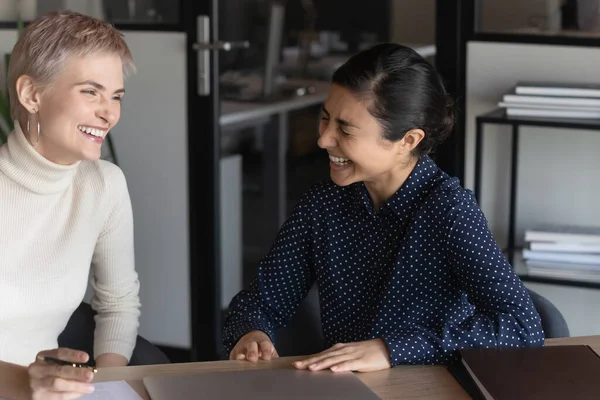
(411, 140)
(29, 96)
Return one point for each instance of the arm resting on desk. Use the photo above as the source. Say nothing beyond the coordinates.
(283, 281)
(115, 281)
(504, 314)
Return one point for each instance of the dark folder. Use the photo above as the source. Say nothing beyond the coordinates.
(549, 373)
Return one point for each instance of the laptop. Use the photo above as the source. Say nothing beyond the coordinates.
(268, 384)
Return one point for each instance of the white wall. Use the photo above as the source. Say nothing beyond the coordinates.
(151, 144)
(559, 169)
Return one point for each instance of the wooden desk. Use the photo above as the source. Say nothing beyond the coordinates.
(402, 382)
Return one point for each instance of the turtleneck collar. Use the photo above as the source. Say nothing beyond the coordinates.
(20, 162)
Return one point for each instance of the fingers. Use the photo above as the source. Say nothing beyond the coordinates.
(236, 354)
(45, 395)
(266, 349)
(332, 361)
(350, 365)
(59, 388)
(66, 354)
(61, 382)
(252, 347)
(336, 350)
(247, 351)
(65, 385)
(252, 352)
(40, 370)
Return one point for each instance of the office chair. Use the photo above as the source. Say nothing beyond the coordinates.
(303, 334)
(553, 322)
(79, 335)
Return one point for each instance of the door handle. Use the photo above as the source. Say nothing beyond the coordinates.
(203, 47)
(226, 46)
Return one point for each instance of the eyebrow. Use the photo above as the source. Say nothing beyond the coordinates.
(340, 121)
(98, 86)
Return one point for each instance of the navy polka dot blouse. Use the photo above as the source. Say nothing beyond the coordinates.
(424, 273)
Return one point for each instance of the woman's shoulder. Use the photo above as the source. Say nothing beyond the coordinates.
(449, 197)
(102, 175)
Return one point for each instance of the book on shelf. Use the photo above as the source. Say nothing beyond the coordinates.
(555, 270)
(593, 260)
(516, 100)
(589, 235)
(545, 372)
(563, 252)
(553, 100)
(565, 247)
(553, 113)
(564, 89)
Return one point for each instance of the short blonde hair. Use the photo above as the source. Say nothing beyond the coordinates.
(50, 40)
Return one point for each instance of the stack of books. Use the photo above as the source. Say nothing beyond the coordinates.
(566, 252)
(553, 100)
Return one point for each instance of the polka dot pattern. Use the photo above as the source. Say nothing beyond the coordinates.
(423, 273)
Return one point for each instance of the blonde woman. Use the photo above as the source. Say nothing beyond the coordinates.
(62, 210)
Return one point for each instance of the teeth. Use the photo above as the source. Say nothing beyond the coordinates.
(339, 160)
(92, 131)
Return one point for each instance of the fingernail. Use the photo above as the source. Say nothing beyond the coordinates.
(90, 388)
(312, 366)
(334, 368)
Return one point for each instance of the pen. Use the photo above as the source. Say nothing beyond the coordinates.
(56, 361)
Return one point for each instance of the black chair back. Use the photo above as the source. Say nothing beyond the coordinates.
(79, 335)
(553, 322)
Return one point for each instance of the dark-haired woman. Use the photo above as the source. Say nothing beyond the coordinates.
(406, 267)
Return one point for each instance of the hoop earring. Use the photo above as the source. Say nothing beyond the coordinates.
(29, 130)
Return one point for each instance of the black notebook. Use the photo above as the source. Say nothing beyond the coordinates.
(532, 373)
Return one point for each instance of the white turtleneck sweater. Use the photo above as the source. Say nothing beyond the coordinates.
(57, 222)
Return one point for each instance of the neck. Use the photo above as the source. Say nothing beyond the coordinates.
(23, 164)
(385, 186)
(42, 146)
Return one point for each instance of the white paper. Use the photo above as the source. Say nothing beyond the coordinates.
(119, 390)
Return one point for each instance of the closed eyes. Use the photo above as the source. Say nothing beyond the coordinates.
(93, 92)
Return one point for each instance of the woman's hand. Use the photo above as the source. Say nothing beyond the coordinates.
(254, 346)
(48, 381)
(367, 356)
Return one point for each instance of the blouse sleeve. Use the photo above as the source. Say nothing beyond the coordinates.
(283, 281)
(504, 312)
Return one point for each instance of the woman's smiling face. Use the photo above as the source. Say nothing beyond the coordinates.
(358, 152)
(77, 109)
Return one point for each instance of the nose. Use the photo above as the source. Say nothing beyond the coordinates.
(327, 138)
(109, 112)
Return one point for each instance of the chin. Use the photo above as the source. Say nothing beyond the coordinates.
(90, 156)
(342, 181)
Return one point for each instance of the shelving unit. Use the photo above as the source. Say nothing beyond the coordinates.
(499, 117)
